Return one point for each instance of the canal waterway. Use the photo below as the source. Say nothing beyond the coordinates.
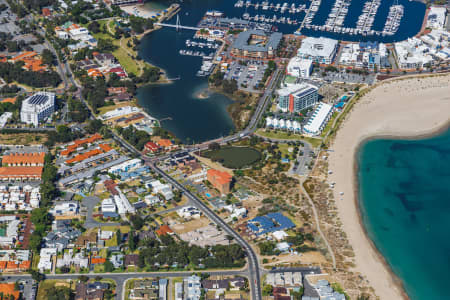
(193, 119)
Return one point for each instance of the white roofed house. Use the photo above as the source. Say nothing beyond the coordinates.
(275, 123)
(269, 121)
(108, 205)
(152, 199)
(123, 205)
(65, 209)
(192, 287)
(159, 188)
(126, 166)
(189, 212)
(79, 34)
(46, 259)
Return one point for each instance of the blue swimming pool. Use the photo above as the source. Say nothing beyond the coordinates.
(208, 195)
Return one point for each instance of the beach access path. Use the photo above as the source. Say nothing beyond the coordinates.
(410, 107)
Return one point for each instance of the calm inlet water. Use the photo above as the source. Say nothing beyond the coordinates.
(198, 120)
(405, 204)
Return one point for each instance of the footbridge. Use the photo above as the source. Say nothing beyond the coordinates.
(178, 25)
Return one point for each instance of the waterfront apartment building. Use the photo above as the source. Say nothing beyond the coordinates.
(37, 108)
(321, 50)
(318, 120)
(297, 97)
(256, 44)
(220, 180)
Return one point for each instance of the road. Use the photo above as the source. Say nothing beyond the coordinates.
(121, 278)
(253, 262)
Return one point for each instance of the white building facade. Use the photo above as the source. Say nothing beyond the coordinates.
(37, 108)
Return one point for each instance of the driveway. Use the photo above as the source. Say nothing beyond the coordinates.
(89, 203)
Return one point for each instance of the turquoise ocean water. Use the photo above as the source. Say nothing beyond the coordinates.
(404, 194)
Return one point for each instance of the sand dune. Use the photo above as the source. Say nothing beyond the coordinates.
(400, 108)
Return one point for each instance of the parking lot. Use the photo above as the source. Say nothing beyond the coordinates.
(349, 77)
(247, 76)
(9, 17)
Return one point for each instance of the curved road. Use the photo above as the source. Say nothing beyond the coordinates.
(254, 273)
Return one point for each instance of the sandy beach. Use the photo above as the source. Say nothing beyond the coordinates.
(399, 108)
(141, 10)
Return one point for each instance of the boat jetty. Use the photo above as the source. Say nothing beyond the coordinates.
(365, 20)
(393, 20)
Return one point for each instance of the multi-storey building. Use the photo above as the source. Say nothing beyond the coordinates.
(297, 97)
(37, 108)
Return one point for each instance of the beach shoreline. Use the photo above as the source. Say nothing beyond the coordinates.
(386, 111)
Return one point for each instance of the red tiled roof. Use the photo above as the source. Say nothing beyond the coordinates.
(105, 147)
(96, 260)
(2, 265)
(150, 146)
(20, 171)
(83, 156)
(46, 12)
(220, 177)
(25, 265)
(9, 100)
(8, 289)
(163, 230)
(24, 158)
(77, 143)
(11, 265)
(165, 142)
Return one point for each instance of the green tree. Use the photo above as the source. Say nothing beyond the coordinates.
(137, 221)
(131, 241)
(118, 237)
(109, 267)
(267, 290)
(47, 57)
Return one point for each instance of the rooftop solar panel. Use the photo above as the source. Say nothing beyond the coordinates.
(38, 99)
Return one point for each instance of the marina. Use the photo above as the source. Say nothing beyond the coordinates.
(178, 100)
(270, 13)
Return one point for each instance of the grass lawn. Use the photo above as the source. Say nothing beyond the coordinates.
(122, 53)
(105, 109)
(46, 285)
(104, 253)
(284, 149)
(78, 197)
(112, 242)
(234, 157)
(329, 124)
(282, 135)
(99, 268)
(123, 229)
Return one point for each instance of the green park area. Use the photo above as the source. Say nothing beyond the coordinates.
(284, 135)
(234, 157)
